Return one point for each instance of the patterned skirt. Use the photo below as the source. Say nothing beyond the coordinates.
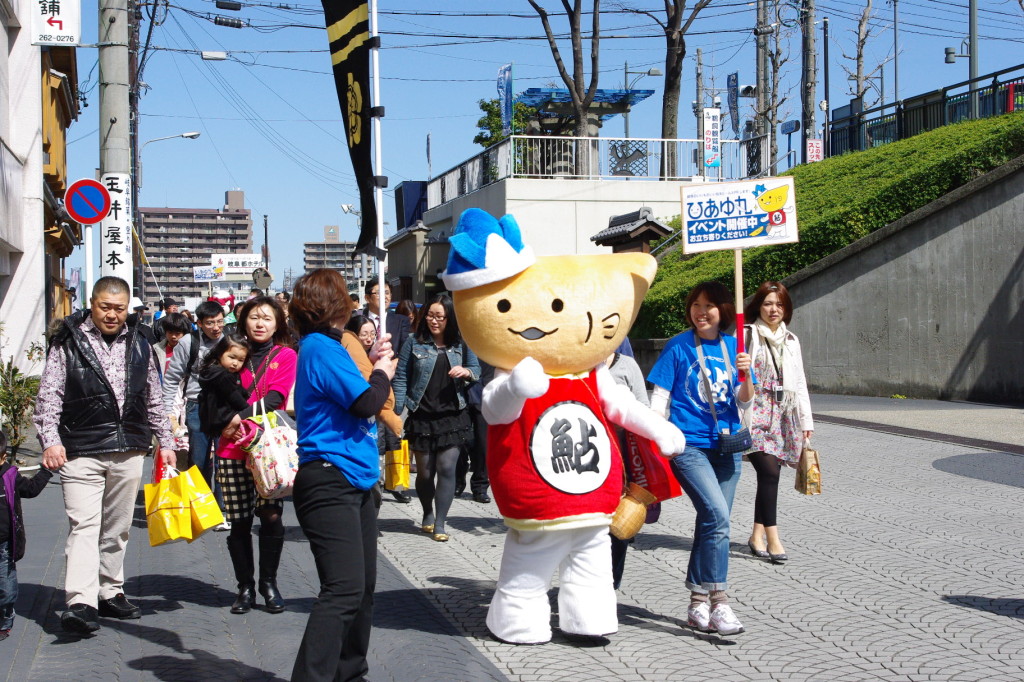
(238, 491)
(433, 433)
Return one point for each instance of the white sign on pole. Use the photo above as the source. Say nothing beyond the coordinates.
(815, 150)
(236, 267)
(56, 22)
(738, 215)
(116, 240)
(206, 273)
(712, 138)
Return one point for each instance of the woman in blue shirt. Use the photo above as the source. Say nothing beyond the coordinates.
(335, 411)
(707, 475)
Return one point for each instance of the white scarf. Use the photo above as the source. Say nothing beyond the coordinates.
(783, 354)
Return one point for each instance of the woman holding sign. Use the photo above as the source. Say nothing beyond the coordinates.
(780, 420)
(697, 376)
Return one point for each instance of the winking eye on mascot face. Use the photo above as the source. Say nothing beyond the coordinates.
(547, 325)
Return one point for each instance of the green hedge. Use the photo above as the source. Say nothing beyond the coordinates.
(839, 200)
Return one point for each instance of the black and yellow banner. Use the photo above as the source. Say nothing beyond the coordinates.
(348, 30)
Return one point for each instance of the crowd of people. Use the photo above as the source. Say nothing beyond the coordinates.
(111, 389)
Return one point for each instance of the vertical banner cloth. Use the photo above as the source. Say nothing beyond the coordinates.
(505, 98)
(348, 31)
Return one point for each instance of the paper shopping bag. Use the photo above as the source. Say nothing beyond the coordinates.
(168, 518)
(396, 467)
(808, 473)
(649, 469)
(205, 512)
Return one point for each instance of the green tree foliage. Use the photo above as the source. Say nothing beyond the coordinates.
(840, 200)
(490, 123)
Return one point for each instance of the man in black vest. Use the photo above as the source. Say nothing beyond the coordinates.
(99, 405)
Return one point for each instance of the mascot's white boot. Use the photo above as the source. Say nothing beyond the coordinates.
(520, 612)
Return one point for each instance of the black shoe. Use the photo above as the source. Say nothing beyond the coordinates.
(778, 558)
(482, 498)
(119, 607)
(275, 602)
(759, 553)
(79, 618)
(244, 601)
(400, 496)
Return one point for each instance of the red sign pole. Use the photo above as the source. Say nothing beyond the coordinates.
(738, 268)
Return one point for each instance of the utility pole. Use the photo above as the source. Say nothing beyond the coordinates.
(972, 60)
(809, 76)
(266, 244)
(826, 131)
(698, 111)
(135, 17)
(895, 53)
(761, 32)
(115, 153)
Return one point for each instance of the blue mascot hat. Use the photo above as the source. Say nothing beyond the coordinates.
(485, 250)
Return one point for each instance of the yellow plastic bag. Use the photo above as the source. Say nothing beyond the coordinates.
(396, 467)
(168, 516)
(205, 512)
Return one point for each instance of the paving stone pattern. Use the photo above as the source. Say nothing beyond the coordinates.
(909, 567)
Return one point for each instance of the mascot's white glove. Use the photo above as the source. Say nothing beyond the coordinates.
(622, 408)
(506, 394)
(528, 379)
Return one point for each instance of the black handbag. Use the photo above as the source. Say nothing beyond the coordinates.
(727, 442)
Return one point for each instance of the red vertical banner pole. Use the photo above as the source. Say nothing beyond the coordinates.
(738, 269)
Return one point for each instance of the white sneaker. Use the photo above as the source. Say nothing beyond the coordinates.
(221, 527)
(724, 621)
(698, 617)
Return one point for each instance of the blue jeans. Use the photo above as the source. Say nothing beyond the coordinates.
(8, 587)
(709, 479)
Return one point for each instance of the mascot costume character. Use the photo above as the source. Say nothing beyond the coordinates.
(547, 325)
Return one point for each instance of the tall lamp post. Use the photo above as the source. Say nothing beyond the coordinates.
(361, 263)
(626, 85)
(136, 218)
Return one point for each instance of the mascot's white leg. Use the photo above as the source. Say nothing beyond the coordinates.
(520, 612)
(586, 598)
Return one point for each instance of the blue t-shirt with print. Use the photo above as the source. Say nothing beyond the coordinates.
(327, 381)
(678, 371)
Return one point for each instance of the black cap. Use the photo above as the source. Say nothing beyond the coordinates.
(170, 301)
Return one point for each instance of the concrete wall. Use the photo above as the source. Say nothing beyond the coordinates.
(929, 306)
(559, 216)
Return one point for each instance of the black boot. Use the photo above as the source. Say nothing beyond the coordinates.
(270, 557)
(240, 549)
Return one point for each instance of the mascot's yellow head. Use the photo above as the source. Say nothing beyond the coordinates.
(567, 312)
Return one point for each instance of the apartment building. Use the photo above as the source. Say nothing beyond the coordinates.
(334, 253)
(177, 239)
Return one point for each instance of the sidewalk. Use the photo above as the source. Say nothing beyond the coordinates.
(908, 567)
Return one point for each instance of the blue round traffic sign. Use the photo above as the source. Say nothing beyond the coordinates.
(87, 201)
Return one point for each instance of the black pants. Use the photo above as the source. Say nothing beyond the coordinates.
(340, 522)
(474, 456)
(766, 500)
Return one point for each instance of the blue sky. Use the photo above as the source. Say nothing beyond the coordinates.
(269, 116)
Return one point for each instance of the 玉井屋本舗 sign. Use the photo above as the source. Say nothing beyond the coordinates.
(738, 215)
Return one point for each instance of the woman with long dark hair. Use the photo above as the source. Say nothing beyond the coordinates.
(434, 368)
(268, 374)
(338, 468)
(780, 419)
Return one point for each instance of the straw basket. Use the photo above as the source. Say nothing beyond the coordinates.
(631, 512)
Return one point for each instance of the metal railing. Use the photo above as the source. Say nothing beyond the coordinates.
(995, 95)
(596, 158)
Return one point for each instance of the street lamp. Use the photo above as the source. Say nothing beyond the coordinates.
(626, 85)
(189, 136)
(137, 214)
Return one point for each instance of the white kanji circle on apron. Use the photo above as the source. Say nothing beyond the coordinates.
(571, 449)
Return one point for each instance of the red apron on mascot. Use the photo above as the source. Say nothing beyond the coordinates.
(557, 465)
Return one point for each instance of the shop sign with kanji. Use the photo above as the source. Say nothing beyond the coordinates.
(56, 22)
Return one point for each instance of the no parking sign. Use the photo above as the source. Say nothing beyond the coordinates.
(87, 201)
